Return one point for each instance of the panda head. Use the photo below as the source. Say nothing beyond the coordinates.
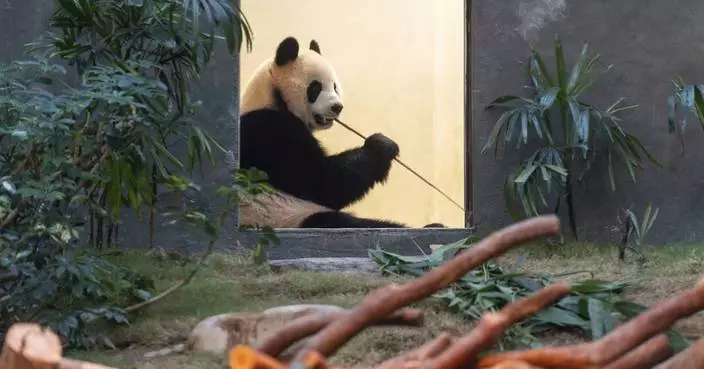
(305, 84)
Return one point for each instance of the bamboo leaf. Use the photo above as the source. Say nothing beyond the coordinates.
(524, 128)
(671, 114)
(698, 105)
(634, 221)
(538, 72)
(560, 65)
(548, 97)
(577, 70)
(612, 180)
(496, 132)
(499, 101)
(557, 169)
(600, 319)
(546, 175)
(560, 318)
(537, 126)
(649, 219)
(525, 173)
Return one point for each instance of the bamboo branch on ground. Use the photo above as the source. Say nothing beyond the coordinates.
(177, 286)
(618, 342)
(386, 300)
(311, 324)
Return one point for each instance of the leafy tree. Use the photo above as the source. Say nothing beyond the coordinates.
(98, 146)
(566, 131)
(172, 45)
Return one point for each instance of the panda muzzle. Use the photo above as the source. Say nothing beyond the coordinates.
(322, 121)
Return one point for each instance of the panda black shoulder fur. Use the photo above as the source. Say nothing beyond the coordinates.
(290, 96)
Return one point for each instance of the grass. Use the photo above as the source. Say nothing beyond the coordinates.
(231, 283)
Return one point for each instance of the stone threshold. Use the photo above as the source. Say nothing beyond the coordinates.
(331, 264)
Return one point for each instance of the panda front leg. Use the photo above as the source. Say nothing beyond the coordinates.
(339, 219)
(357, 171)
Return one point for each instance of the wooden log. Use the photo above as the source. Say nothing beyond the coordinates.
(29, 346)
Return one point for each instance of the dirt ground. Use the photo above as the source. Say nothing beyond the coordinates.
(231, 283)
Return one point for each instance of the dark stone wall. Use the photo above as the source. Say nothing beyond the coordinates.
(21, 22)
(24, 21)
(650, 43)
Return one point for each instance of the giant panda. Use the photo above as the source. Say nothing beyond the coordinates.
(289, 97)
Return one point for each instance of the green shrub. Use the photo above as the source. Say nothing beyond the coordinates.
(98, 147)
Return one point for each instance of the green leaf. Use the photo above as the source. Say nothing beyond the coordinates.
(557, 169)
(9, 187)
(592, 286)
(524, 128)
(671, 113)
(612, 180)
(538, 125)
(698, 105)
(583, 126)
(578, 70)
(501, 100)
(548, 97)
(561, 318)
(631, 309)
(538, 72)
(496, 131)
(600, 319)
(259, 254)
(142, 295)
(20, 134)
(525, 173)
(560, 65)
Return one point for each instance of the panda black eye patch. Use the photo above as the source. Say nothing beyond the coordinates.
(314, 89)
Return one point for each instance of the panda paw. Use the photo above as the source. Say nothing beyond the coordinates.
(434, 225)
(381, 146)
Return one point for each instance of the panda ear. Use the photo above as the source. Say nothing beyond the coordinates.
(315, 47)
(287, 51)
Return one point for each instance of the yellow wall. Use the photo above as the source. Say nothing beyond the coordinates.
(400, 64)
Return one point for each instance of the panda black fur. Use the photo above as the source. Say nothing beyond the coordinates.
(288, 98)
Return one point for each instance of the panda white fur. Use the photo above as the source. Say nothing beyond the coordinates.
(290, 96)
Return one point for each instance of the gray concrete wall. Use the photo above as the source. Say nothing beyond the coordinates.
(650, 43)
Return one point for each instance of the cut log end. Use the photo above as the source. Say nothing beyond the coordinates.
(30, 346)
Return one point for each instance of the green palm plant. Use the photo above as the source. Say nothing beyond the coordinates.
(566, 131)
(689, 97)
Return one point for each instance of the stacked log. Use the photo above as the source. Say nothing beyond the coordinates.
(640, 343)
